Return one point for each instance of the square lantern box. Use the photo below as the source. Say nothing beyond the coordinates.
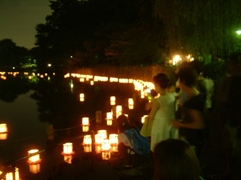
(98, 142)
(34, 168)
(113, 142)
(87, 143)
(85, 124)
(106, 150)
(109, 118)
(34, 156)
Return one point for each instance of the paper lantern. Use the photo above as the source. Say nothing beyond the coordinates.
(109, 118)
(114, 142)
(3, 128)
(34, 156)
(118, 110)
(67, 148)
(105, 148)
(112, 100)
(103, 133)
(85, 124)
(130, 103)
(87, 143)
(13, 174)
(81, 97)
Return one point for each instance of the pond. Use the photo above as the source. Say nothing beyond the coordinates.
(31, 103)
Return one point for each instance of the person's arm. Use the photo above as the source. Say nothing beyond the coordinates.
(196, 123)
(154, 108)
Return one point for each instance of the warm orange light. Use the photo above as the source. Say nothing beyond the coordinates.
(34, 156)
(118, 110)
(82, 97)
(68, 159)
(85, 124)
(87, 143)
(112, 100)
(13, 175)
(106, 155)
(130, 103)
(103, 133)
(3, 128)
(34, 168)
(68, 148)
(109, 118)
(114, 142)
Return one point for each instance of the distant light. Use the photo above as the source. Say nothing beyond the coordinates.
(71, 56)
(238, 32)
(13, 67)
(49, 65)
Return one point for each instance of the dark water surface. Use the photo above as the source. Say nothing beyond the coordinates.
(29, 105)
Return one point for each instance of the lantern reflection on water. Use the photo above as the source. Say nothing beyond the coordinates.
(105, 148)
(34, 168)
(87, 143)
(68, 159)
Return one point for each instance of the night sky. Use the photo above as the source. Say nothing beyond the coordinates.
(18, 19)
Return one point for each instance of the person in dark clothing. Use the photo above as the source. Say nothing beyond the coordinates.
(191, 125)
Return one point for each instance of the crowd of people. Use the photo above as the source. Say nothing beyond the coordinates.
(197, 127)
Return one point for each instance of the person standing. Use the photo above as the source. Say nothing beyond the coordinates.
(191, 125)
(162, 110)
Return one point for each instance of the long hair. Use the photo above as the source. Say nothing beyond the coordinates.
(175, 160)
(123, 123)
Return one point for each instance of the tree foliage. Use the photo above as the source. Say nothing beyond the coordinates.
(12, 55)
(202, 26)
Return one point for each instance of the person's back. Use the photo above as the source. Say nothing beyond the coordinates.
(174, 159)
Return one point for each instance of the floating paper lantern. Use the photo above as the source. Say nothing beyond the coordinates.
(109, 118)
(3, 128)
(114, 142)
(85, 124)
(67, 148)
(82, 97)
(87, 143)
(98, 141)
(34, 156)
(105, 148)
(112, 100)
(130, 103)
(103, 133)
(13, 174)
(118, 110)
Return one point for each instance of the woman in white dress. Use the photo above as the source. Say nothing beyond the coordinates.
(162, 111)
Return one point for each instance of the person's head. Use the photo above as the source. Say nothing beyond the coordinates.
(188, 76)
(175, 160)
(123, 123)
(161, 80)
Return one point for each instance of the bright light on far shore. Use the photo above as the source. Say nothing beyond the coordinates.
(49, 65)
(238, 32)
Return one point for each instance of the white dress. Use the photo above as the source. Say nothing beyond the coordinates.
(161, 128)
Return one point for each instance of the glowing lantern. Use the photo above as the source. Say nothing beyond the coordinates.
(130, 103)
(105, 149)
(81, 97)
(92, 83)
(118, 110)
(103, 133)
(98, 141)
(85, 124)
(109, 118)
(67, 148)
(87, 143)
(34, 168)
(13, 174)
(144, 118)
(34, 156)
(3, 136)
(114, 142)
(3, 128)
(112, 100)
